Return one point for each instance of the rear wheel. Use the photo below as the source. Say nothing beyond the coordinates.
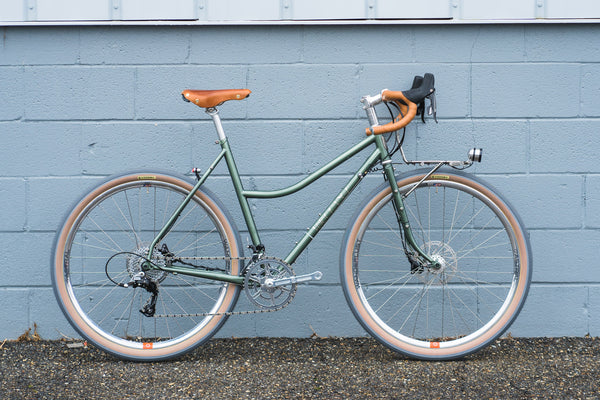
(101, 249)
(448, 312)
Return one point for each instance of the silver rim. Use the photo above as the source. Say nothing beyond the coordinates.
(471, 238)
(125, 219)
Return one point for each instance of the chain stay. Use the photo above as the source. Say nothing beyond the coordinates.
(230, 313)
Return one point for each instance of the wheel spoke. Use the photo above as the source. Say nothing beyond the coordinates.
(453, 303)
(105, 277)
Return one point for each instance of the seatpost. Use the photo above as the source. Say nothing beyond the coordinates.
(214, 114)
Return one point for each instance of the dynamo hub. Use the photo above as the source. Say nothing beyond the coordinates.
(447, 260)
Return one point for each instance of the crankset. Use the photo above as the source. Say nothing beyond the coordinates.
(269, 283)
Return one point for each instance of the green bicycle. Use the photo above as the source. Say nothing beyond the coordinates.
(434, 264)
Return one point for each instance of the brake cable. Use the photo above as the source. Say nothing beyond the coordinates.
(400, 141)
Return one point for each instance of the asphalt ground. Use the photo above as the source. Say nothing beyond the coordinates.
(312, 368)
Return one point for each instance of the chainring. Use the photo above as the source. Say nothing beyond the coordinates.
(261, 285)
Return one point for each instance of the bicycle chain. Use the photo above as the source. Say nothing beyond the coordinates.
(229, 313)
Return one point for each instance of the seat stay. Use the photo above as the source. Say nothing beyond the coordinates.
(173, 219)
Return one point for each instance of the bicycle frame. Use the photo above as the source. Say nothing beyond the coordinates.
(379, 154)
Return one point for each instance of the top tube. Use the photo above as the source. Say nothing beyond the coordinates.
(259, 194)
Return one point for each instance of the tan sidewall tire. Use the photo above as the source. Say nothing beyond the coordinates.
(371, 325)
(86, 330)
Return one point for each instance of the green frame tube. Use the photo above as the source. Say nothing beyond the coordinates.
(243, 195)
(380, 154)
(313, 176)
(165, 229)
(339, 199)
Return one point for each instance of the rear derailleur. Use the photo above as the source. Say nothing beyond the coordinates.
(140, 280)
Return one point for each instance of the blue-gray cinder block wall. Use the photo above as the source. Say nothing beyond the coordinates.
(81, 103)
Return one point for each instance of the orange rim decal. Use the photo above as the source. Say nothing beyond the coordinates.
(147, 346)
(434, 345)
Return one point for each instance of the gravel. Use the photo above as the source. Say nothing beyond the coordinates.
(314, 368)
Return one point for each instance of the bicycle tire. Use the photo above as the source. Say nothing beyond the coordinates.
(463, 306)
(119, 219)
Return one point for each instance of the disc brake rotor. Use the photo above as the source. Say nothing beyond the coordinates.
(448, 261)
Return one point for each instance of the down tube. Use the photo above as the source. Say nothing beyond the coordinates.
(346, 190)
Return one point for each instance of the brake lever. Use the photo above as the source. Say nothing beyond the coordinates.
(432, 109)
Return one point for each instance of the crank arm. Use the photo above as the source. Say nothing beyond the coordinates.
(315, 276)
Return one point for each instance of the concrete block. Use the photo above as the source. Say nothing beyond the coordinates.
(42, 45)
(40, 148)
(246, 45)
(158, 91)
(13, 198)
(321, 310)
(301, 210)
(348, 45)
(14, 312)
(134, 45)
(525, 90)
(565, 256)
(543, 201)
(565, 146)
(592, 201)
(553, 310)
(504, 143)
(26, 258)
(249, 141)
(451, 82)
(326, 139)
(590, 90)
(324, 255)
(303, 91)
(563, 43)
(487, 47)
(594, 310)
(47, 315)
(461, 39)
(115, 147)
(52, 198)
(79, 93)
(98, 100)
(449, 44)
(279, 244)
(11, 93)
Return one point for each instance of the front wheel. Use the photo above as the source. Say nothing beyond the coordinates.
(475, 291)
(101, 249)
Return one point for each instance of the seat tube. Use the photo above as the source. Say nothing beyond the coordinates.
(235, 177)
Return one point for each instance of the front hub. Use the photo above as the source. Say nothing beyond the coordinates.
(446, 264)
